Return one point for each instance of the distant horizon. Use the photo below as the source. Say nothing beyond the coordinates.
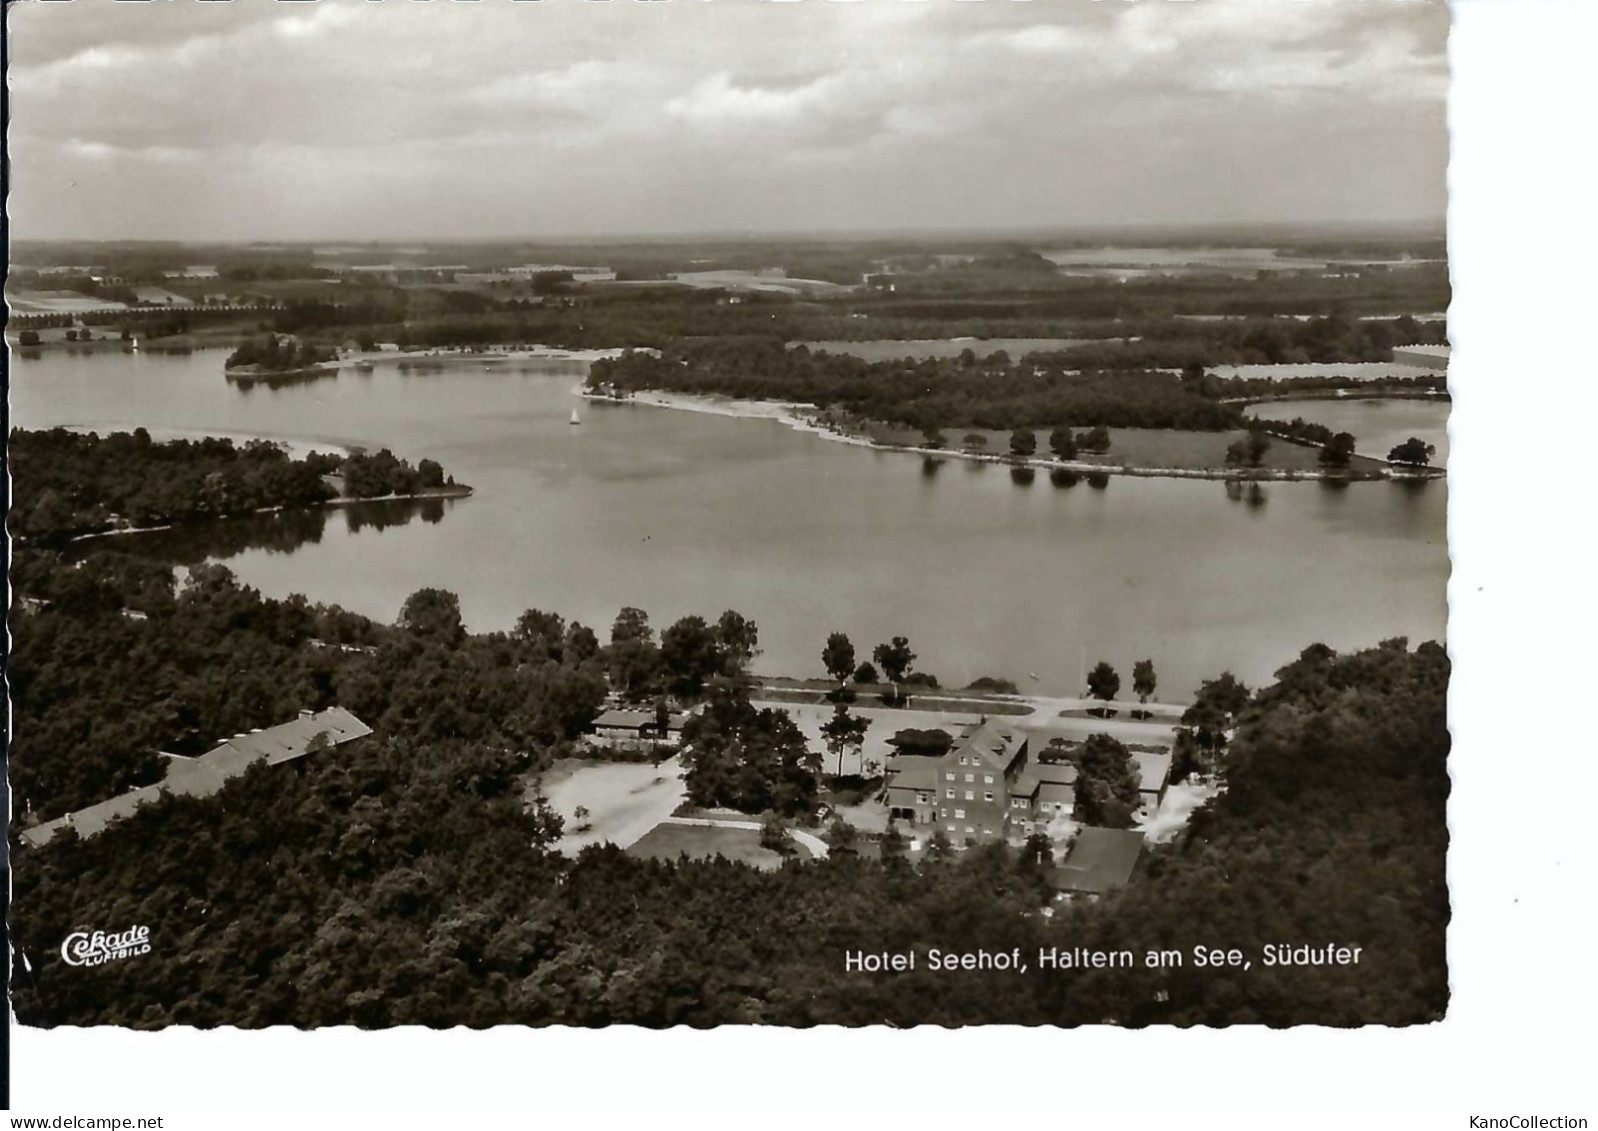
(1280, 231)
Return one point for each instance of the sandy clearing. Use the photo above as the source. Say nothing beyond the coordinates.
(624, 799)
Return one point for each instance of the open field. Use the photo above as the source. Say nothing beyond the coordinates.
(58, 302)
(624, 799)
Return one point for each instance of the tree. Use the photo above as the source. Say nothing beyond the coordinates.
(892, 843)
(1103, 683)
(739, 640)
(841, 836)
(894, 658)
(1062, 443)
(738, 757)
(1037, 853)
(28, 338)
(1023, 442)
(433, 614)
(1339, 450)
(844, 732)
(866, 673)
(1193, 374)
(934, 743)
(838, 657)
(429, 473)
(690, 654)
(1255, 447)
(1143, 680)
(932, 437)
(939, 846)
(1413, 451)
(630, 624)
(632, 657)
(1108, 791)
(582, 644)
(975, 441)
(1214, 712)
(774, 834)
(543, 633)
(1095, 439)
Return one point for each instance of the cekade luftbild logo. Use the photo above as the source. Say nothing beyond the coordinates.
(84, 949)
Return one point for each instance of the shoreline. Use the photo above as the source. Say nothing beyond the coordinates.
(459, 491)
(453, 354)
(294, 448)
(800, 417)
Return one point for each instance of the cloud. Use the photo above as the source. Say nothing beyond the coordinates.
(503, 118)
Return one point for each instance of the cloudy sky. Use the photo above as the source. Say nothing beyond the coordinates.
(384, 119)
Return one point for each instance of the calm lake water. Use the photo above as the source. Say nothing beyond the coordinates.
(677, 512)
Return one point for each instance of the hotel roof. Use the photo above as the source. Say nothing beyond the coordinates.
(1099, 860)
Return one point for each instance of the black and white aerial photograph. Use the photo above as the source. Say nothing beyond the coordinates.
(781, 515)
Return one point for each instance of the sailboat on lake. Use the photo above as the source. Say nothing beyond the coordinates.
(575, 418)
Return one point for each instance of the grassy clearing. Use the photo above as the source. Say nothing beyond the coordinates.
(669, 841)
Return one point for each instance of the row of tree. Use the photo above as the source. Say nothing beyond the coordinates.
(890, 661)
(689, 654)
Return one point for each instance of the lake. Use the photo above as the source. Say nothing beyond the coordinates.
(678, 512)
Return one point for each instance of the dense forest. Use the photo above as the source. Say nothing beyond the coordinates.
(404, 881)
(178, 667)
(66, 484)
(964, 392)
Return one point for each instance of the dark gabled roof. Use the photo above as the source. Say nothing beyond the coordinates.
(995, 744)
(1099, 860)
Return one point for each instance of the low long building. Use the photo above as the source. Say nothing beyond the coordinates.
(312, 731)
(624, 726)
